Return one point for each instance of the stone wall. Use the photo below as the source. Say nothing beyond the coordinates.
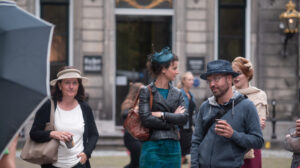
(277, 74)
(90, 33)
(199, 39)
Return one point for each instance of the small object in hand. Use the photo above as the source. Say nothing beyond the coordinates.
(217, 120)
(70, 143)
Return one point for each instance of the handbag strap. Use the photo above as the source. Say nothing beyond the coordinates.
(52, 115)
(151, 98)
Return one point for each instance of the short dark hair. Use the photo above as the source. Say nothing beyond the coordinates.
(155, 68)
(56, 93)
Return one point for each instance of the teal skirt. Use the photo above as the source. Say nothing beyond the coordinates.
(160, 154)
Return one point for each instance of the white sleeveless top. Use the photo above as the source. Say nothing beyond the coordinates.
(70, 121)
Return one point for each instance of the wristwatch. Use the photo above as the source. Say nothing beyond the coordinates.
(162, 115)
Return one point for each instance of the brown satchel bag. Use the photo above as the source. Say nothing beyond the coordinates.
(44, 152)
(133, 123)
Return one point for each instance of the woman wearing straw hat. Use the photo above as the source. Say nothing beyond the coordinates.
(73, 120)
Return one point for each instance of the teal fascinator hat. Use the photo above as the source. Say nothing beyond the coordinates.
(163, 56)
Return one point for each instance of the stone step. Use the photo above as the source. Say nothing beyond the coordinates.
(111, 141)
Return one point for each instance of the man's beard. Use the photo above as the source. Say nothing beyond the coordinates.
(221, 90)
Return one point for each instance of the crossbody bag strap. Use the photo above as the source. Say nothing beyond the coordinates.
(136, 99)
(220, 115)
(212, 121)
(151, 98)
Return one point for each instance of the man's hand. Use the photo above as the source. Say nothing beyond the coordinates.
(223, 129)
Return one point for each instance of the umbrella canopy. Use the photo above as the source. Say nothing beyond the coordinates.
(24, 67)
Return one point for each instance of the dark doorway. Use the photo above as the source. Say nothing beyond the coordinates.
(232, 22)
(137, 37)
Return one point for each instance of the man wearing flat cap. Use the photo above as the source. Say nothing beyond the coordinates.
(227, 125)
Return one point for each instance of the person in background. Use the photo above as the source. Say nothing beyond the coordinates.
(167, 113)
(8, 160)
(132, 144)
(227, 123)
(296, 156)
(244, 68)
(73, 120)
(186, 131)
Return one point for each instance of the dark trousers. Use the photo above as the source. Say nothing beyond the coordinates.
(134, 146)
(185, 141)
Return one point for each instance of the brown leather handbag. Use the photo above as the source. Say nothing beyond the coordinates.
(133, 123)
(44, 152)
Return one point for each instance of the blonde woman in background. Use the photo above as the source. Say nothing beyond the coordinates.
(257, 96)
(186, 131)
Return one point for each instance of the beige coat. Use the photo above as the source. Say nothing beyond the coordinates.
(259, 98)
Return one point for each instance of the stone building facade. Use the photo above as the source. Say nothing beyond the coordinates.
(195, 33)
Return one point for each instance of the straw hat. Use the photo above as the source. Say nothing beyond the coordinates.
(67, 74)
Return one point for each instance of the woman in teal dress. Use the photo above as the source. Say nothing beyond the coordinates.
(166, 115)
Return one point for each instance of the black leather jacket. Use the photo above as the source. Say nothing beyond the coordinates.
(166, 128)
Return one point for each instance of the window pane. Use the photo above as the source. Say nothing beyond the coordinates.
(58, 49)
(231, 22)
(135, 36)
(231, 31)
(56, 12)
(230, 48)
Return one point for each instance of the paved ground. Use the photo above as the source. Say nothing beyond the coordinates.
(276, 154)
(265, 153)
(117, 159)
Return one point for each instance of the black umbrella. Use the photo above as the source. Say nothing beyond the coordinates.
(24, 68)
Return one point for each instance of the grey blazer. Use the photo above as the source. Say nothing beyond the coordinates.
(166, 128)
